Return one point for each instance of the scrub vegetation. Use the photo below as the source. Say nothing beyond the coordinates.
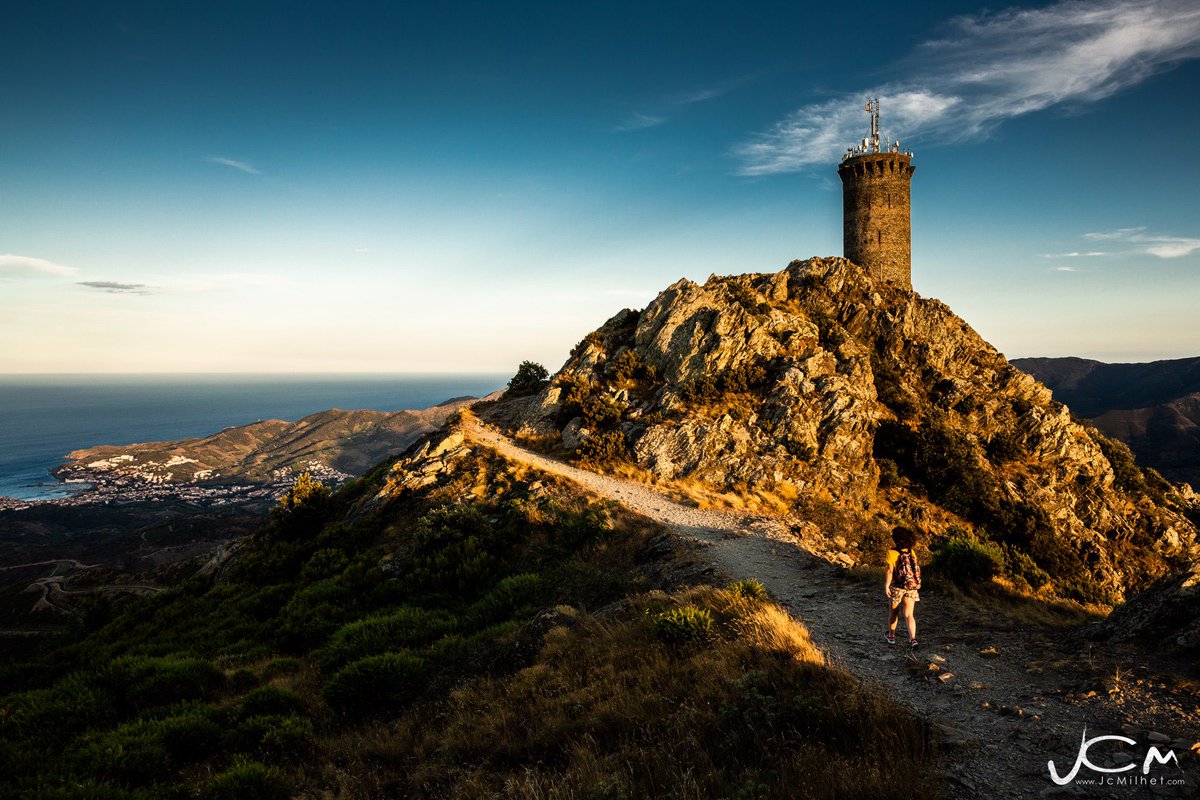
(496, 634)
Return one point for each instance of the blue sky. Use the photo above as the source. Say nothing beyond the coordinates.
(460, 186)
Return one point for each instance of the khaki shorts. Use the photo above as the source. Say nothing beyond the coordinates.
(899, 594)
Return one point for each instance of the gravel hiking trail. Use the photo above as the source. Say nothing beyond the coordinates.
(998, 719)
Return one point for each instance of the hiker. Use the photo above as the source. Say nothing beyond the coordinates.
(901, 584)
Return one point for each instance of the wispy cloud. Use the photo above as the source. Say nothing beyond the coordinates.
(1092, 254)
(990, 68)
(362, 249)
(243, 166)
(1118, 234)
(1150, 243)
(667, 107)
(13, 266)
(1068, 269)
(638, 121)
(114, 287)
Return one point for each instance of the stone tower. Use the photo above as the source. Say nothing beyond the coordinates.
(876, 219)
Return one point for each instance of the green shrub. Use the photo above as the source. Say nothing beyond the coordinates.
(131, 755)
(279, 736)
(140, 682)
(151, 749)
(314, 612)
(1129, 476)
(889, 384)
(1062, 561)
(749, 589)
(271, 700)
(516, 595)
(194, 733)
(484, 649)
(965, 560)
(803, 450)
(748, 376)
(456, 550)
(324, 563)
(744, 377)
(248, 780)
(947, 463)
(593, 339)
(748, 299)
(604, 447)
(701, 389)
(396, 630)
(601, 411)
(76, 790)
(629, 365)
(71, 706)
(305, 491)
(288, 738)
(376, 685)
(1125, 468)
(889, 473)
(684, 624)
(530, 378)
(1156, 485)
(1019, 566)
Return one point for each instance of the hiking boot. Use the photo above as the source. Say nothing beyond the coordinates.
(890, 637)
(912, 645)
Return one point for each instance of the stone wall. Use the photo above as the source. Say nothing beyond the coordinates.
(876, 217)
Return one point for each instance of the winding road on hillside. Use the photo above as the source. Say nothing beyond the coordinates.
(993, 692)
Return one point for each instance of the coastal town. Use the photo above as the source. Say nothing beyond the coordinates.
(121, 479)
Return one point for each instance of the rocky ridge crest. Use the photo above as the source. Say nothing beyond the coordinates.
(817, 384)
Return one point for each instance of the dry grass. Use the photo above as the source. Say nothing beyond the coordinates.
(1000, 600)
(608, 710)
(1021, 607)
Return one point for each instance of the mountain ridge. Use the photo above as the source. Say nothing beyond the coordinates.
(334, 445)
(817, 383)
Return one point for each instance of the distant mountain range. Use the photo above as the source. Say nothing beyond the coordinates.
(1153, 407)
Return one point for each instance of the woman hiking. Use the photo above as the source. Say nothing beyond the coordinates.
(901, 584)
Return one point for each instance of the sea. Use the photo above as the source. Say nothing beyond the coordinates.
(44, 417)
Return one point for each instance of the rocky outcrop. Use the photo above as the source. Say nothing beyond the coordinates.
(1165, 617)
(426, 463)
(817, 382)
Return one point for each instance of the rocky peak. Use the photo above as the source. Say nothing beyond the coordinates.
(817, 384)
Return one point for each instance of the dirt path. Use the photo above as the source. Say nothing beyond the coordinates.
(1001, 719)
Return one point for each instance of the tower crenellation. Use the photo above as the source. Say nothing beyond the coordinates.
(876, 212)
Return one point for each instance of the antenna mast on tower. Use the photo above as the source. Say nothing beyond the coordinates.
(873, 142)
(870, 144)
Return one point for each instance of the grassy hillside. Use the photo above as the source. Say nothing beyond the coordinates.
(492, 633)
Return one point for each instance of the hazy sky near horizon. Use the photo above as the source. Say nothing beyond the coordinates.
(458, 186)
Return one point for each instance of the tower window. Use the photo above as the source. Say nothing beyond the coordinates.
(879, 237)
